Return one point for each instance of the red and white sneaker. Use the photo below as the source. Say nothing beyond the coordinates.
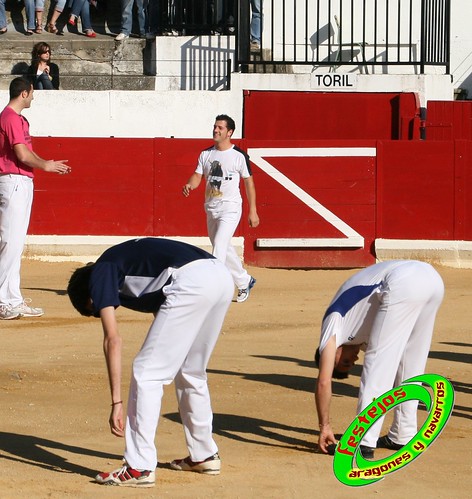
(210, 466)
(127, 477)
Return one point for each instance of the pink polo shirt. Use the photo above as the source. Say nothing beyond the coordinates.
(14, 129)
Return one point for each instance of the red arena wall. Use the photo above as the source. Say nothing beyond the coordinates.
(334, 172)
(322, 203)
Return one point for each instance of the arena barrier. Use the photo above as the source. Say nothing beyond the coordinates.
(321, 203)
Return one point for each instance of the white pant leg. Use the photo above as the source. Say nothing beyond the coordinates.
(413, 288)
(222, 224)
(413, 362)
(16, 198)
(191, 381)
(183, 334)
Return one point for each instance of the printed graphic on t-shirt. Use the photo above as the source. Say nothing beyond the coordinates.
(214, 180)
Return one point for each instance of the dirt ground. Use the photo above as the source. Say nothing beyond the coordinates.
(54, 399)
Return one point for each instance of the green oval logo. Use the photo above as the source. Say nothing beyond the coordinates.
(439, 404)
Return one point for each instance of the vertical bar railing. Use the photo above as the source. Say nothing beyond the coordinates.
(380, 32)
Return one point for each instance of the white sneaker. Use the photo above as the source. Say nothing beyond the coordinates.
(7, 313)
(24, 310)
(121, 37)
(210, 466)
(243, 293)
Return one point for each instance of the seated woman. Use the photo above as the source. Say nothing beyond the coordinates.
(44, 74)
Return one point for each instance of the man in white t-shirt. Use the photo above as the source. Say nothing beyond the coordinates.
(223, 165)
(388, 310)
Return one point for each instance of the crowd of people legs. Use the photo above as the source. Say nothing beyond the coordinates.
(139, 18)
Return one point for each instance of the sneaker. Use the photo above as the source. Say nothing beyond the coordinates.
(385, 443)
(121, 37)
(243, 293)
(211, 465)
(7, 313)
(127, 477)
(24, 310)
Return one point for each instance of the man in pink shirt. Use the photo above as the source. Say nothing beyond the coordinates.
(17, 163)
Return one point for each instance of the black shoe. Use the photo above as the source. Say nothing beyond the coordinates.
(331, 449)
(367, 452)
(385, 443)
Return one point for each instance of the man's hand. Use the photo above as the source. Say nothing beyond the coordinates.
(186, 190)
(326, 438)
(116, 420)
(59, 167)
(253, 219)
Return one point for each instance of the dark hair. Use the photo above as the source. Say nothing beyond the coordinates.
(336, 374)
(78, 290)
(230, 124)
(39, 49)
(18, 86)
(339, 375)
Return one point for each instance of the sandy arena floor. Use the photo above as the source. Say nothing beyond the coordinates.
(54, 398)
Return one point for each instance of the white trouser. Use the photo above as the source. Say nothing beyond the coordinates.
(399, 343)
(16, 198)
(178, 347)
(222, 223)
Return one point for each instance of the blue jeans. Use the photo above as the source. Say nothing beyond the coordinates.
(42, 82)
(127, 15)
(256, 18)
(3, 15)
(30, 17)
(60, 4)
(31, 6)
(81, 8)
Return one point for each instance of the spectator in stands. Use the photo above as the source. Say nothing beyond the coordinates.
(256, 25)
(82, 8)
(44, 73)
(34, 16)
(3, 18)
(127, 18)
(51, 27)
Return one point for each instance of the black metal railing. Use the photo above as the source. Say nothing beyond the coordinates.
(333, 33)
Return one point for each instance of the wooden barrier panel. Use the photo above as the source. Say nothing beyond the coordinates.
(448, 120)
(463, 190)
(415, 190)
(331, 116)
(316, 201)
(109, 192)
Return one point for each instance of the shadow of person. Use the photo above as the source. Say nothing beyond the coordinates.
(17, 18)
(36, 451)
(59, 292)
(260, 432)
(20, 68)
(293, 382)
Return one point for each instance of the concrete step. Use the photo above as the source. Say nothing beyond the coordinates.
(84, 64)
